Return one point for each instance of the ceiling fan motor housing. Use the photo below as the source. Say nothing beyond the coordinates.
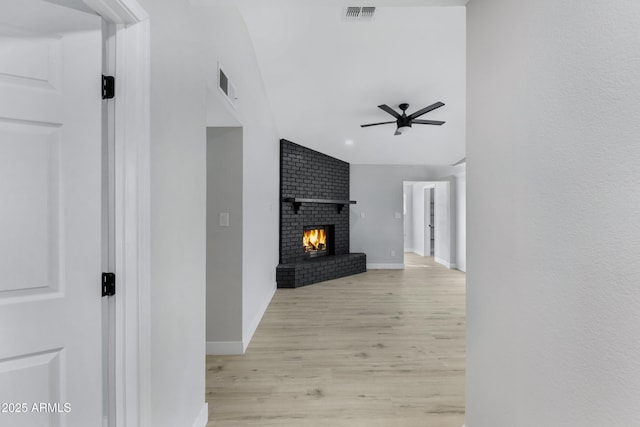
(405, 122)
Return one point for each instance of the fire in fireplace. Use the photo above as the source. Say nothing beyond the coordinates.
(314, 241)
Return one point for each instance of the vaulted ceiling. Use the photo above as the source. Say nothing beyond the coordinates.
(325, 75)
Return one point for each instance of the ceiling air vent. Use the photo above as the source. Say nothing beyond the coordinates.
(226, 86)
(359, 14)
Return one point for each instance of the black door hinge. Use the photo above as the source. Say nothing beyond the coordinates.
(108, 284)
(108, 87)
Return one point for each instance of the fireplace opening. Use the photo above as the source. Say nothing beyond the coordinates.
(316, 241)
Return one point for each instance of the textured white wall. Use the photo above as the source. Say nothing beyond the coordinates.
(461, 221)
(553, 302)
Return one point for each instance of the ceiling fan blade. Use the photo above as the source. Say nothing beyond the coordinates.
(397, 133)
(385, 107)
(428, 122)
(425, 110)
(376, 124)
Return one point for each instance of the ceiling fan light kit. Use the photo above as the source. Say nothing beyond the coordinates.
(404, 129)
(403, 122)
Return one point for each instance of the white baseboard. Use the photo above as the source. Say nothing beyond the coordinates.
(224, 348)
(408, 249)
(421, 253)
(248, 335)
(221, 348)
(445, 263)
(203, 416)
(385, 266)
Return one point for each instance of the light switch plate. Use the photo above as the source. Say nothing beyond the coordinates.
(362, 215)
(224, 219)
(398, 215)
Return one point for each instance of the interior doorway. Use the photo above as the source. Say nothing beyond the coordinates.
(428, 221)
(224, 241)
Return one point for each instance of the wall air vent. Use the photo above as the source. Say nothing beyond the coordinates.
(227, 87)
(359, 14)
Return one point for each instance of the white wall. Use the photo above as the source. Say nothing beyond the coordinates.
(444, 250)
(553, 302)
(186, 43)
(407, 190)
(418, 218)
(230, 44)
(378, 190)
(178, 223)
(461, 221)
(224, 243)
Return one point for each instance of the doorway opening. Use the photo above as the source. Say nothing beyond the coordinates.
(430, 221)
(224, 240)
(429, 227)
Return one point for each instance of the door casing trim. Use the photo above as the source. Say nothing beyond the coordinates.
(132, 209)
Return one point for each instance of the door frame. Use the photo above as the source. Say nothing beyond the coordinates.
(427, 219)
(132, 192)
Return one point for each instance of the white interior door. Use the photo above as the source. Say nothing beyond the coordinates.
(50, 216)
(427, 222)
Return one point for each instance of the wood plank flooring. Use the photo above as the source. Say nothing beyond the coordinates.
(383, 348)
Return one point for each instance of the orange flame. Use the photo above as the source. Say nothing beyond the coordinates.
(314, 240)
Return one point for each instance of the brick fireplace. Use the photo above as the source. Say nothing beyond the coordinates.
(314, 218)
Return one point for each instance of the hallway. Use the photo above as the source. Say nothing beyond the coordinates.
(382, 348)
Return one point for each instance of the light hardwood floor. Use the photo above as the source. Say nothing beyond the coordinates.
(383, 348)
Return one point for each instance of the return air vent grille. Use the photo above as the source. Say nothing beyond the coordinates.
(226, 86)
(359, 14)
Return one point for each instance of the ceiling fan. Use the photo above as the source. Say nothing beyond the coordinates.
(403, 121)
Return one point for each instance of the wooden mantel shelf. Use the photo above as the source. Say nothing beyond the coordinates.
(298, 201)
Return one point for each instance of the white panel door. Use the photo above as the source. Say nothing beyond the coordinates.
(50, 216)
(428, 226)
